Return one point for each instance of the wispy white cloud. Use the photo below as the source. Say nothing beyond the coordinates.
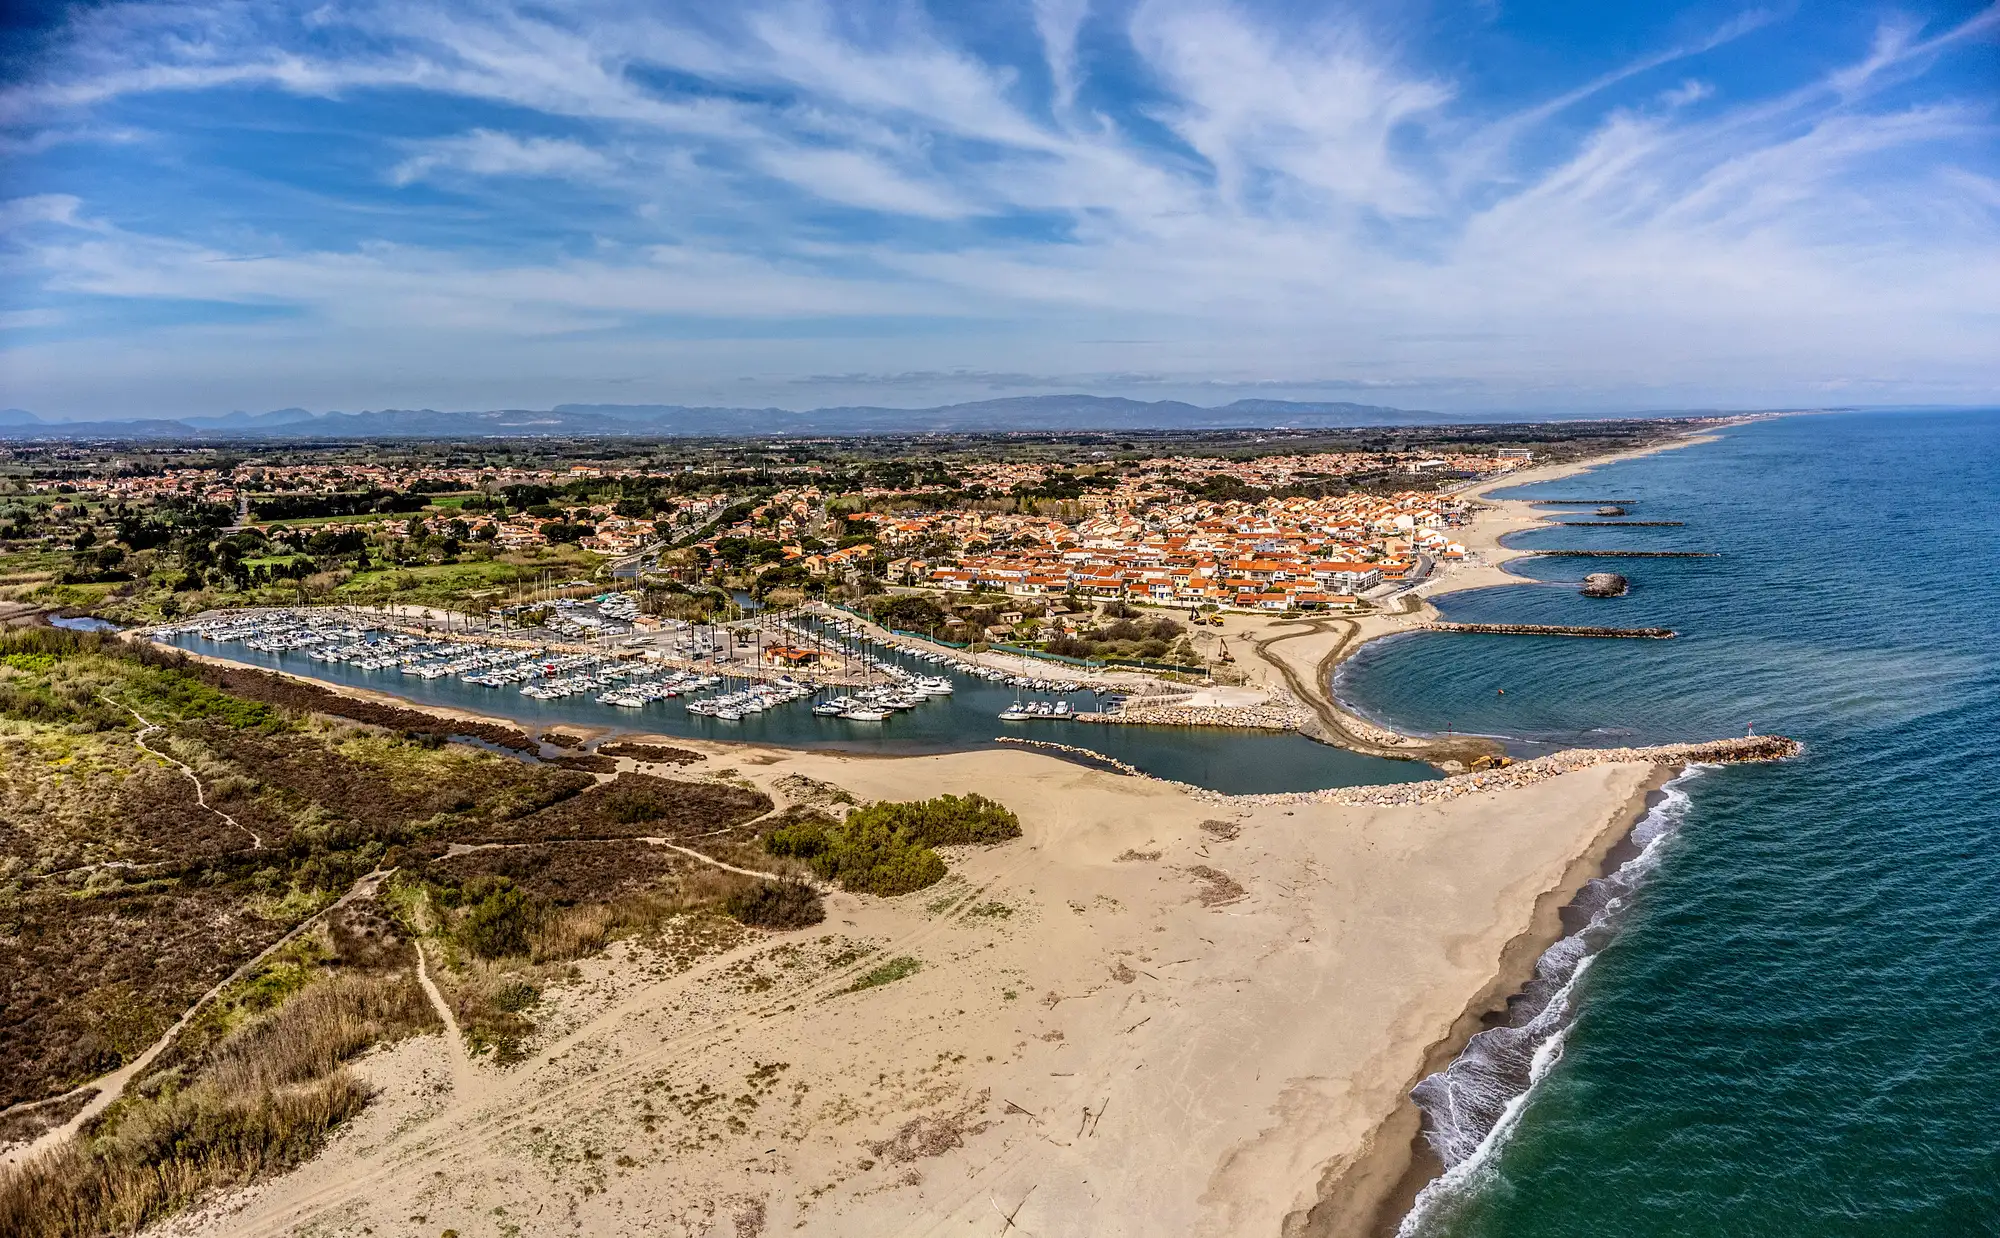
(484, 152)
(1324, 211)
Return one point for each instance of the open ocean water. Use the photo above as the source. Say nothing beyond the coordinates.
(1784, 1016)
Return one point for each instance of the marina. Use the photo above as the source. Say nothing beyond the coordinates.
(874, 696)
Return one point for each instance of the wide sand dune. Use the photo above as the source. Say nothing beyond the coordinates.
(1156, 1013)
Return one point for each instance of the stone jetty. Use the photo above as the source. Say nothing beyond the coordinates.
(1745, 750)
(1752, 748)
(1613, 510)
(1621, 524)
(1248, 717)
(1624, 554)
(1550, 629)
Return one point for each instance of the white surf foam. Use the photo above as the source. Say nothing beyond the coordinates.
(1472, 1106)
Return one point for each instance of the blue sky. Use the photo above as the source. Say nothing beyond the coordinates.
(1482, 205)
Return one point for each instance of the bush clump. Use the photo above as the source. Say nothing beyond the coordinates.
(885, 848)
(865, 857)
(499, 919)
(776, 905)
(947, 821)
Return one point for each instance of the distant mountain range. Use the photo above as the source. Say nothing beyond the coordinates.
(1021, 413)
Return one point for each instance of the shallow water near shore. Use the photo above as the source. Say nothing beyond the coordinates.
(1231, 761)
(1784, 1016)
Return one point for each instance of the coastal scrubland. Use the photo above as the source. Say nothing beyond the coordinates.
(171, 829)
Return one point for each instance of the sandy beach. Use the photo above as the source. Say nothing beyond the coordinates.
(1152, 1014)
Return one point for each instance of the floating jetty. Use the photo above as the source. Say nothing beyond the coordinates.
(1626, 554)
(1621, 524)
(1551, 629)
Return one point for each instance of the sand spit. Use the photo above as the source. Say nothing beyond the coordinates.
(1156, 1013)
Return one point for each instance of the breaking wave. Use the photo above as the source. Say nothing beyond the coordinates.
(1471, 1106)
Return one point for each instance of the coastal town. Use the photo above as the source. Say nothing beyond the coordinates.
(1288, 531)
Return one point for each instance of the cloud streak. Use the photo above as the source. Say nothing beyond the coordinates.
(880, 196)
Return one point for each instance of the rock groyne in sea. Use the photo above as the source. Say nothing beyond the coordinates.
(1605, 585)
(1550, 629)
(1749, 749)
(1623, 554)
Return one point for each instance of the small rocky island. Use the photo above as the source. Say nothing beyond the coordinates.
(1604, 585)
(1611, 510)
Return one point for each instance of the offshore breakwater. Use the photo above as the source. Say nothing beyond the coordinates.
(1624, 554)
(1555, 629)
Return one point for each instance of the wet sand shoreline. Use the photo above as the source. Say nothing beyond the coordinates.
(1370, 1198)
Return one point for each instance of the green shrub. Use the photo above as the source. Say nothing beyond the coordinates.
(498, 924)
(516, 996)
(865, 857)
(155, 690)
(885, 848)
(887, 973)
(629, 807)
(948, 820)
(874, 857)
(801, 836)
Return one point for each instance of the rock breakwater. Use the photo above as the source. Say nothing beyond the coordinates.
(1748, 749)
(1245, 717)
(1550, 629)
(1624, 554)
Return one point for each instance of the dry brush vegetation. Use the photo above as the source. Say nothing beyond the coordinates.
(123, 899)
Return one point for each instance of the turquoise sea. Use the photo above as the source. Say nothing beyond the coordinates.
(1781, 1016)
